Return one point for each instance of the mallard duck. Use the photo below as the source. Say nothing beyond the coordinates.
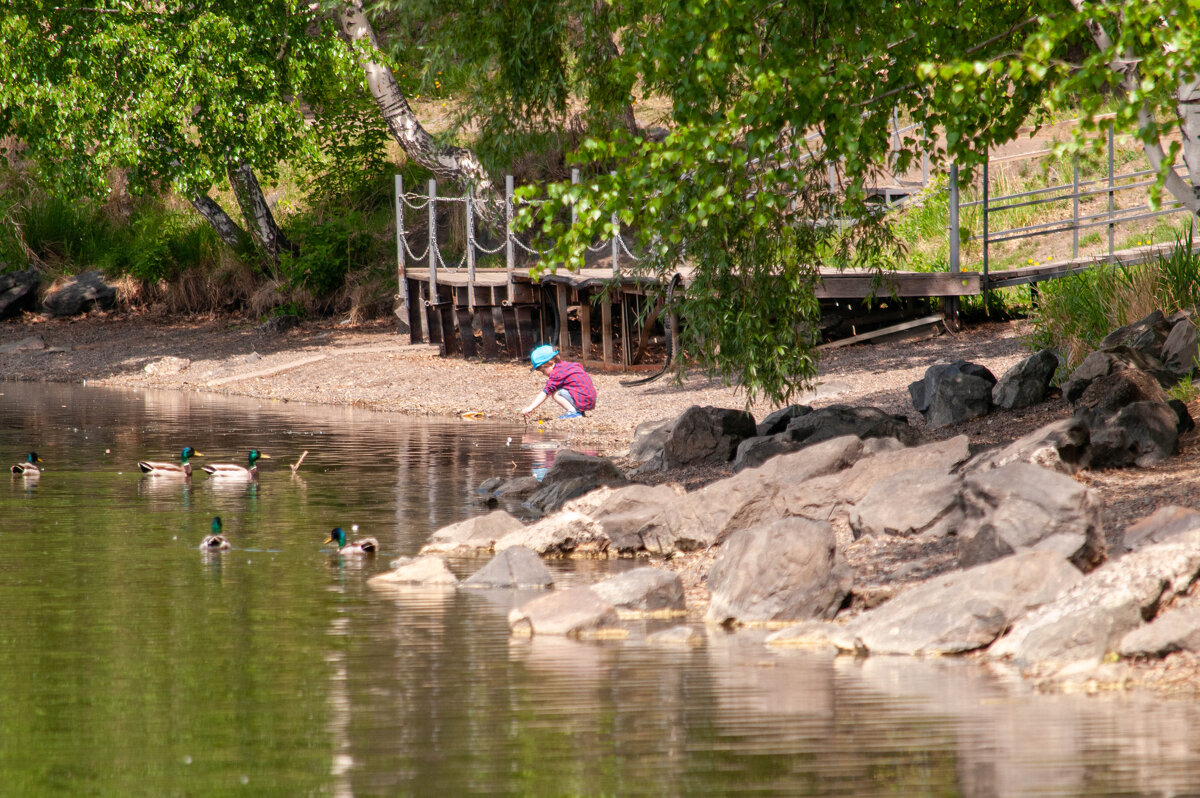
(358, 547)
(216, 541)
(162, 469)
(30, 467)
(234, 471)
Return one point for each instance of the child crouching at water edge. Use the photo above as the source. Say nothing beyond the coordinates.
(566, 382)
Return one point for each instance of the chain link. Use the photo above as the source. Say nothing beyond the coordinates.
(404, 199)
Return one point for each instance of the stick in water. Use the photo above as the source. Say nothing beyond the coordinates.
(296, 467)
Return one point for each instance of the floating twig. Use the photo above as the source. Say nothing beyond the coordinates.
(296, 467)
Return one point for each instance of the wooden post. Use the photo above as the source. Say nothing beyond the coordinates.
(606, 329)
(585, 324)
(951, 301)
(403, 312)
(510, 255)
(437, 331)
(564, 334)
(470, 251)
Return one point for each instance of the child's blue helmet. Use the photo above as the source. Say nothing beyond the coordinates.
(541, 356)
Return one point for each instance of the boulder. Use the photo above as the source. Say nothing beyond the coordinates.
(472, 535)
(644, 592)
(951, 614)
(923, 501)
(835, 421)
(823, 496)
(1163, 524)
(421, 571)
(18, 292)
(577, 612)
(778, 420)
(1021, 506)
(623, 512)
(562, 534)
(648, 440)
(1142, 434)
(80, 293)
(1109, 361)
(573, 474)
(513, 567)
(951, 393)
(1060, 446)
(1176, 629)
(706, 516)
(1026, 383)
(706, 436)
(787, 570)
(1181, 349)
(753, 452)
(1145, 335)
(1089, 620)
(1111, 392)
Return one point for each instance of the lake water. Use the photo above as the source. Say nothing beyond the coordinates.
(135, 665)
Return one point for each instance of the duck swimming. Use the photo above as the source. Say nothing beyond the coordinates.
(234, 471)
(216, 541)
(30, 467)
(357, 548)
(162, 469)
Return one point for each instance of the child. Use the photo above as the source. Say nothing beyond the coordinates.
(567, 382)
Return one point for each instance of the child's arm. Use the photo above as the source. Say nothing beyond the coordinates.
(541, 397)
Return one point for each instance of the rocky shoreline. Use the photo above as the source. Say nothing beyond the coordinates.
(370, 366)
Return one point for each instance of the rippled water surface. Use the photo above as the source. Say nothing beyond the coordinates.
(135, 665)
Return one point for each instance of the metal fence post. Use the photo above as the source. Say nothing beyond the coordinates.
(510, 254)
(574, 211)
(1075, 207)
(986, 161)
(401, 263)
(470, 202)
(955, 265)
(1111, 183)
(433, 294)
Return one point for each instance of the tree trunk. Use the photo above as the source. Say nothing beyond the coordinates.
(256, 211)
(453, 163)
(227, 229)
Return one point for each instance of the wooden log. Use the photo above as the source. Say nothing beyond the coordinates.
(417, 329)
(512, 334)
(487, 332)
(466, 330)
(585, 324)
(564, 333)
(606, 329)
(528, 328)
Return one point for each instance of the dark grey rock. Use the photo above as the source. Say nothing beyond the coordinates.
(787, 570)
(1059, 446)
(778, 421)
(753, 452)
(1111, 392)
(1026, 383)
(644, 592)
(80, 293)
(707, 435)
(1109, 361)
(514, 567)
(573, 474)
(1142, 433)
(1181, 349)
(951, 393)
(834, 421)
(472, 535)
(1144, 335)
(1021, 506)
(648, 440)
(18, 292)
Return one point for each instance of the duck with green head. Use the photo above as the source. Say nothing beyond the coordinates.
(216, 541)
(359, 547)
(234, 471)
(159, 468)
(29, 467)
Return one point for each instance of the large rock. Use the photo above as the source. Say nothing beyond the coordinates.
(824, 496)
(1111, 392)
(707, 436)
(1163, 524)
(1026, 383)
(835, 421)
(562, 534)
(1090, 619)
(1109, 361)
(1060, 446)
(1145, 335)
(577, 612)
(573, 474)
(753, 452)
(18, 291)
(708, 515)
(1181, 349)
(80, 293)
(644, 593)
(513, 567)
(649, 438)
(952, 614)
(1141, 433)
(951, 393)
(778, 420)
(431, 571)
(787, 570)
(1176, 629)
(1022, 506)
(623, 512)
(924, 501)
(472, 535)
